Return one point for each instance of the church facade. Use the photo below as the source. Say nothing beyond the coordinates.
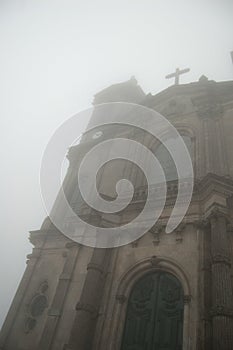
(162, 291)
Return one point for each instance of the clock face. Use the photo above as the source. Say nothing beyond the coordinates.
(97, 134)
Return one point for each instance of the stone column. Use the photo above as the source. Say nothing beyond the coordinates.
(56, 308)
(222, 149)
(222, 298)
(206, 159)
(83, 329)
(19, 297)
(210, 110)
(205, 327)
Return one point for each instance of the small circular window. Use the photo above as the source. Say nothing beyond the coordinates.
(38, 305)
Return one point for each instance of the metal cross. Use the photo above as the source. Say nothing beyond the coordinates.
(177, 74)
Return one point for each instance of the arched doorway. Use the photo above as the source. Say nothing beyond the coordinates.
(154, 318)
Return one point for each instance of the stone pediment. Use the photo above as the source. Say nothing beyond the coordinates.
(206, 97)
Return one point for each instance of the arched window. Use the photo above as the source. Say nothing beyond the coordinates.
(166, 160)
(154, 318)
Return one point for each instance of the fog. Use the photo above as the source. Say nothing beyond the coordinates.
(55, 55)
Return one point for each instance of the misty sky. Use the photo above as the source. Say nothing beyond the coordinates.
(55, 55)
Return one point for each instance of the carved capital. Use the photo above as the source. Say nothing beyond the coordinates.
(97, 267)
(65, 277)
(221, 310)
(217, 212)
(70, 245)
(221, 259)
(178, 232)
(156, 231)
(210, 110)
(54, 312)
(88, 308)
(202, 223)
(187, 299)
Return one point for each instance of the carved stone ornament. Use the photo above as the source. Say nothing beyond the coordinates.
(156, 231)
(97, 267)
(154, 260)
(70, 245)
(221, 259)
(178, 231)
(87, 307)
(187, 299)
(210, 110)
(36, 307)
(221, 310)
(201, 224)
(134, 244)
(216, 213)
(173, 108)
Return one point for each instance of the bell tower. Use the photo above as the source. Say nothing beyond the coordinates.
(164, 291)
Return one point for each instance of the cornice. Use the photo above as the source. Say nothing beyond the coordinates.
(222, 183)
(38, 237)
(208, 97)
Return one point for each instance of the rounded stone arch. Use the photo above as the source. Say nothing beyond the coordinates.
(148, 265)
(126, 284)
(184, 130)
(189, 131)
(192, 132)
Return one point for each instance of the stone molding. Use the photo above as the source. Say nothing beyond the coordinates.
(87, 307)
(221, 259)
(97, 267)
(154, 260)
(210, 110)
(187, 298)
(128, 280)
(221, 310)
(151, 264)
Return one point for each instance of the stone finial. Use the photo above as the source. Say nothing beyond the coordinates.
(203, 79)
(133, 80)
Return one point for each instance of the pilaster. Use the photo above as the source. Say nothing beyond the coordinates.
(87, 309)
(56, 308)
(222, 298)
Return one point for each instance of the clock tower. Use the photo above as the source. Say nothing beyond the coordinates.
(160, 291)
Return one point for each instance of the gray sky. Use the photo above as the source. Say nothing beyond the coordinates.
(55, 55)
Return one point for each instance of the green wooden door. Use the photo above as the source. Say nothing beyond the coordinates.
(154, 319)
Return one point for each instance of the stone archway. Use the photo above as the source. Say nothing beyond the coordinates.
(154, 317)
(125, 286)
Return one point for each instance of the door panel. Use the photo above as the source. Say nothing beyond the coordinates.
(154, 319)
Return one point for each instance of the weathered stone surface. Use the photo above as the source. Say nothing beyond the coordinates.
(88, 290)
